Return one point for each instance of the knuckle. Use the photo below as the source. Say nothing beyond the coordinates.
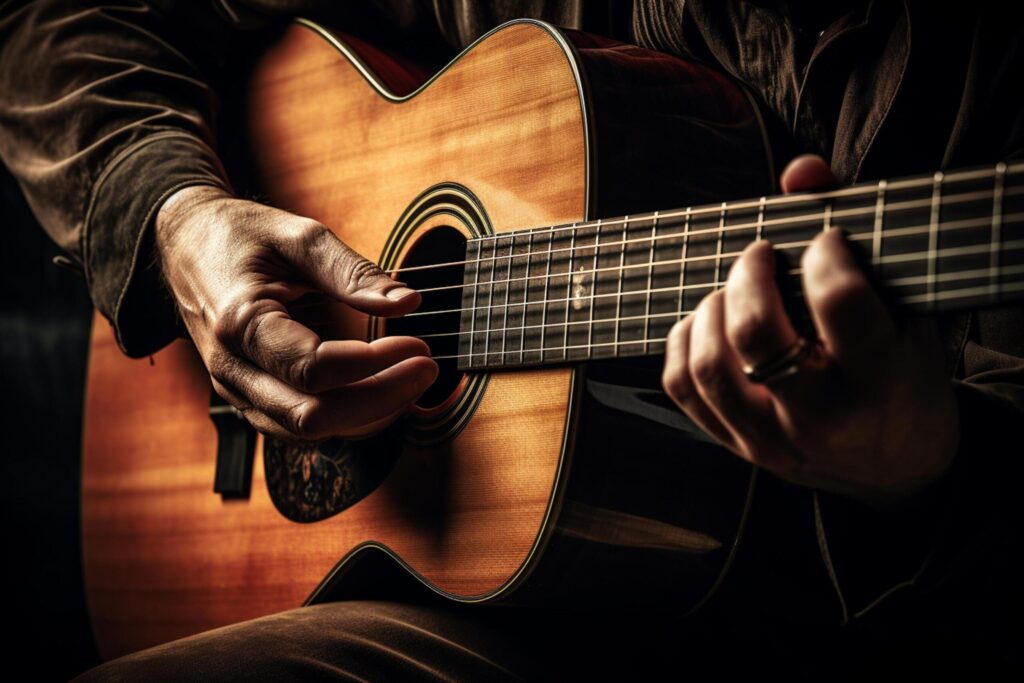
(226, 324)
(676, 384)
(707, 368)
(222, 369)
(301, 372)
(747, 331)
(298, 419)
(308, 233)
(232, 321)
(360, 272)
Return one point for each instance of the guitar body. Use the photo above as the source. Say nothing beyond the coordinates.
(520, 486)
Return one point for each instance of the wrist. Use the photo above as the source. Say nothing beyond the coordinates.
(180, 225)
(181, 211)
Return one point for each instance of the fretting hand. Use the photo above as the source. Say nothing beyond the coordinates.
(869, 411)
(233, 266)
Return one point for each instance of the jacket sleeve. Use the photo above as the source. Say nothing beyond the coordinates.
(106, 109)
(102, 118)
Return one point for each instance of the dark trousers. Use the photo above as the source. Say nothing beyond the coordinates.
(376, 640)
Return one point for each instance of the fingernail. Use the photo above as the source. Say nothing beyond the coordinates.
(398, 293)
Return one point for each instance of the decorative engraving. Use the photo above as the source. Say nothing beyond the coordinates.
(582, 286)
(310, 482)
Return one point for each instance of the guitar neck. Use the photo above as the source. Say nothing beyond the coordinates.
(614, 287)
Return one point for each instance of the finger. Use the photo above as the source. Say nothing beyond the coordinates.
(342, 273)
(852, 322)
(341, 412)
(756, 324)
(744, 408)
(260, 421)
(807, 172)
(264, 332)
(680, 387)
(342, 362)
(758, 328)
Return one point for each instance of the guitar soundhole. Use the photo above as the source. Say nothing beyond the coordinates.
(441, 289)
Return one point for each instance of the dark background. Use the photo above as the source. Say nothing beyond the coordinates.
(44, 336)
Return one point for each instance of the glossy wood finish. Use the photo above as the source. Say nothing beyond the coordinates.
(465, 515)
(165, 557)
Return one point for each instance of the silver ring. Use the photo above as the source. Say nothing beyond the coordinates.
(785, 364)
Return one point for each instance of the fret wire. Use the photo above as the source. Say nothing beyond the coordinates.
(834, 194)
(920, 298)
(593, 283)
(490, 301)
(893, 258)
(622, 269)
(974, 274)
(508, 286)
(826, 222)
(876, 243)
(650, 277)
(760, 219)
(901, 282)
(800, 219)
(895, 185)
(718, 246)
(893, 232)
(686, 246)
(568, 292)
(544, 307)
(526, 294)
(476, 290)
(933, 230)
(960, 293)
(997, 226)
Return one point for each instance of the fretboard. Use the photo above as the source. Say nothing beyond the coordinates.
(614, 287)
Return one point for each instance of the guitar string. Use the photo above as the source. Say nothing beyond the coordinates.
(908, 231)
(691, 213)
(998, 172)
(978, 274)
(910, 281)
(952, 294)
(909, 257)
(717, 232)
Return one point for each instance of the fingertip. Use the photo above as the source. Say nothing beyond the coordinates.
(400, 293)
(409, 346)
(427, 372)
(805, 173)
(761, 254)
(828, 251)
(382, 303)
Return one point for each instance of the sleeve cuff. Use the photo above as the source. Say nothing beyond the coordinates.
(117, 241)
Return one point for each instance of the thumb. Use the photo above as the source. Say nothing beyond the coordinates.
(334, 268)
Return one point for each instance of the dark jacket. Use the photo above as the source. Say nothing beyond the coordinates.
(107, 110)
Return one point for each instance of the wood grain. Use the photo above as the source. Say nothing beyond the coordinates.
(164, 556)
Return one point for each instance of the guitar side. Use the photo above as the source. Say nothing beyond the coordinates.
(523, 125)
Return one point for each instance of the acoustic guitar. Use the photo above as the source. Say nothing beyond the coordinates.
(516, 191)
